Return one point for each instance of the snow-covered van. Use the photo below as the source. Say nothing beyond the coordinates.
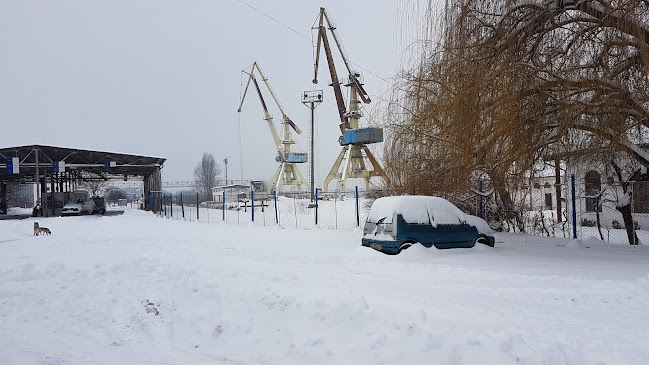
(397, 222)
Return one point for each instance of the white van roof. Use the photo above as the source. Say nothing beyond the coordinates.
(416, 209)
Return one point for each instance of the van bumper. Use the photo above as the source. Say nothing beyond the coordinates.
(389, 247)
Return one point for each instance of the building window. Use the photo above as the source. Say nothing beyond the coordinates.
(537, 186)
(593, 185)
(546, 185)
(548, 200)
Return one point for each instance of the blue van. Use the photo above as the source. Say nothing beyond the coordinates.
(397, 222)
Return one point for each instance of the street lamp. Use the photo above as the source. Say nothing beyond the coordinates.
(225, 161)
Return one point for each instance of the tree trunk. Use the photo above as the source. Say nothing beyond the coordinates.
(628, 223)
(509, 213)
(599, 223)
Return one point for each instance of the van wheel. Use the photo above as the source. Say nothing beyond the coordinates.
(405, 246)
(481, 240)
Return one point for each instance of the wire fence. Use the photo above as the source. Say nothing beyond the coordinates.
(605, 215)
(592, 213)
(296, 210)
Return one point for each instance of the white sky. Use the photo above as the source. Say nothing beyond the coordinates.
(163, 78)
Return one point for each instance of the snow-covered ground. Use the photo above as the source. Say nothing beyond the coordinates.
(137, 289)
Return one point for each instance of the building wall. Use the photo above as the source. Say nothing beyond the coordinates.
(232, 194)
(597, 190)
(539, 195)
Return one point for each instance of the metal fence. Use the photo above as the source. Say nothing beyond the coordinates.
(332, 211)
(586, 212)
(583, 214)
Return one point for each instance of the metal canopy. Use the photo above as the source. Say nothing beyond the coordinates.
(87, 164)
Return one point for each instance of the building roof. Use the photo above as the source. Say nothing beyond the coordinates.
(90, 164)
(232, 186)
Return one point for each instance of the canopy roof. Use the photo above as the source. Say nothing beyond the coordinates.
(87, 163)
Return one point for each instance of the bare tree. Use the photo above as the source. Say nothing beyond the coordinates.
(94, 186)
(205, 174)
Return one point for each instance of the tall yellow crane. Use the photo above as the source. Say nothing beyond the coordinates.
(351, 161)
(287, 172)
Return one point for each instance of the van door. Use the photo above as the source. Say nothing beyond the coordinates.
(454, 235)
(414, 232)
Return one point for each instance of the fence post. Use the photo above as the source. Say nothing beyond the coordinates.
(316, 207)
(197, 213)
(151, 203)
(358, 219)
(252, 203)
(276, 216)
(635, 235)
(182, 205)
(224, 205)
(164, 203)
(574, 211)
(171, 202)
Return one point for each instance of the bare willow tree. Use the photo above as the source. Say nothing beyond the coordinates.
(205, 174)
(510, 80)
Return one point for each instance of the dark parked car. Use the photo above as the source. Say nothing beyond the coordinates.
(100, 205)
(395, 223)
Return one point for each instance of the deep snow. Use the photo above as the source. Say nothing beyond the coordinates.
(266, 295)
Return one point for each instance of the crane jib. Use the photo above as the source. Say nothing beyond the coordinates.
(261, 97)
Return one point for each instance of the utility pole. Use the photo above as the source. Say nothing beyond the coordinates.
(225, 161)
(312, 99)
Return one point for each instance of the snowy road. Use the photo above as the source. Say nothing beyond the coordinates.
(135, 289)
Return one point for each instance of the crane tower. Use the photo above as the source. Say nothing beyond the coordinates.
(287, 172)
(352, 162)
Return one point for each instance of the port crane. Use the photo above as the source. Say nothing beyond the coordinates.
(351, 161)
(287, 172)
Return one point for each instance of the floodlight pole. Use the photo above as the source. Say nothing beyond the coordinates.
(225, 161)
(313, 99)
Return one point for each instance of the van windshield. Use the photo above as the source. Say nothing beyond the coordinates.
(385, 220)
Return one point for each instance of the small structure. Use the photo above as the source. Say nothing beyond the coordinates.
(233, 193)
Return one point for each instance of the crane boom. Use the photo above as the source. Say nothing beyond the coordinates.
(335, 82)
(267, 117)
(282, 145)
(353, 76)
(270, 89)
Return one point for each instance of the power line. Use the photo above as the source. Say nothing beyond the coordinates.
(310, 39)
(275, 20)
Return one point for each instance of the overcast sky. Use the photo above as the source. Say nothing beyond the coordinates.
(163, 78)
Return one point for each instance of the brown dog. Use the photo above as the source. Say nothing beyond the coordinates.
(38, 230)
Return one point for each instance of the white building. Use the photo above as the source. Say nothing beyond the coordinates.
(233, 193)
